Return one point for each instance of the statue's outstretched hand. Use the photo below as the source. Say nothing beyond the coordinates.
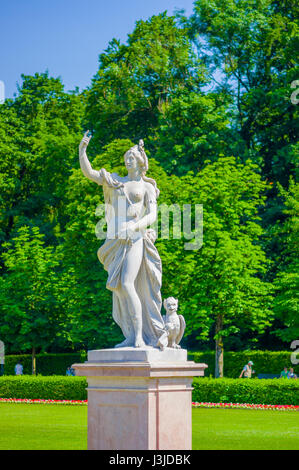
(84, 142)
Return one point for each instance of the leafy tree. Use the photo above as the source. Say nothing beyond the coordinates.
(153, 88)
(135, 80)
(38, 137)
(31, 315)
(286, 304)
(253, 45)
(220, 286)
(193, 127)
(12, 143)
(250, 47)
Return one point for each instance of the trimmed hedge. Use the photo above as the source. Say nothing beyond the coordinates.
(46, 364)
(265, 362)
(51, 388)
(272, 392)
(266, 392)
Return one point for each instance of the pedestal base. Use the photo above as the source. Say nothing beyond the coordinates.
(139, 399)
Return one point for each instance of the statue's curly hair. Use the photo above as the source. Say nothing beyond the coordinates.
(143, 163)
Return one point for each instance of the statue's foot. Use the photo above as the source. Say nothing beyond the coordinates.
(125, 344)
(139, 343)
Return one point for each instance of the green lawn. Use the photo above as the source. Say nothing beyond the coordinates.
(64, 427)
(245, 429)
(31, 427)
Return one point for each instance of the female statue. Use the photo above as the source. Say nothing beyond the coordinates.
(128, 253)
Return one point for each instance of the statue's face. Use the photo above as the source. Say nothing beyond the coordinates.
(171, 305)
(131, 160)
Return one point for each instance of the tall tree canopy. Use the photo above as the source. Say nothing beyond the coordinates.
(39, 131)
(210, 95)
(254, 44)
(152, 88)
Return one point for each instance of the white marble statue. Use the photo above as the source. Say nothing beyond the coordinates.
(128, 253)
(174, 324)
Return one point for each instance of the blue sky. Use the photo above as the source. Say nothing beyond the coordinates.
(66, 36)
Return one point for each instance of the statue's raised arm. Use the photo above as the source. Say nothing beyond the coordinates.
(85, 165)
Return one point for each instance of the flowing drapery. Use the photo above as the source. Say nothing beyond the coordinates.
(148, 284)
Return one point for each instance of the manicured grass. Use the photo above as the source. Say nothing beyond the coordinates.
(41, 427)
(32, 427)
(245, 429)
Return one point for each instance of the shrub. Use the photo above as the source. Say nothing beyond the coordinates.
(274, 392)
(268, 392)
(51, 388)
(265, 362)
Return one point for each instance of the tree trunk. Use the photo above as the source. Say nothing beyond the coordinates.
(33, 361)
(219, 349)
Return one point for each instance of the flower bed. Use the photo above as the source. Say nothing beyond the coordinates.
(248, 406)
(41, 401)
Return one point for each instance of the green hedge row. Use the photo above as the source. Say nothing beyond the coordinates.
(273, 392)
(51, 388)
(263, 391)
(265, 362)
(46, 364)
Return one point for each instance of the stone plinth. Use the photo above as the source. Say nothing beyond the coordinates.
(139, 399)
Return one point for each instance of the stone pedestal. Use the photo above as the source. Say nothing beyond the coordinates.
(139, 399)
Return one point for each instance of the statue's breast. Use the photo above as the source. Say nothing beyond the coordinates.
(135, 191)
(136, 196)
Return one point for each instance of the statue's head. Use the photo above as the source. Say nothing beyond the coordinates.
(136, 157)
(171, 305)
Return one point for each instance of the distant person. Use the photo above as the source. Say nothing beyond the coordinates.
(291, 374)
(18, 369)
(284, 373)
(247, 371)
(68, 371)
